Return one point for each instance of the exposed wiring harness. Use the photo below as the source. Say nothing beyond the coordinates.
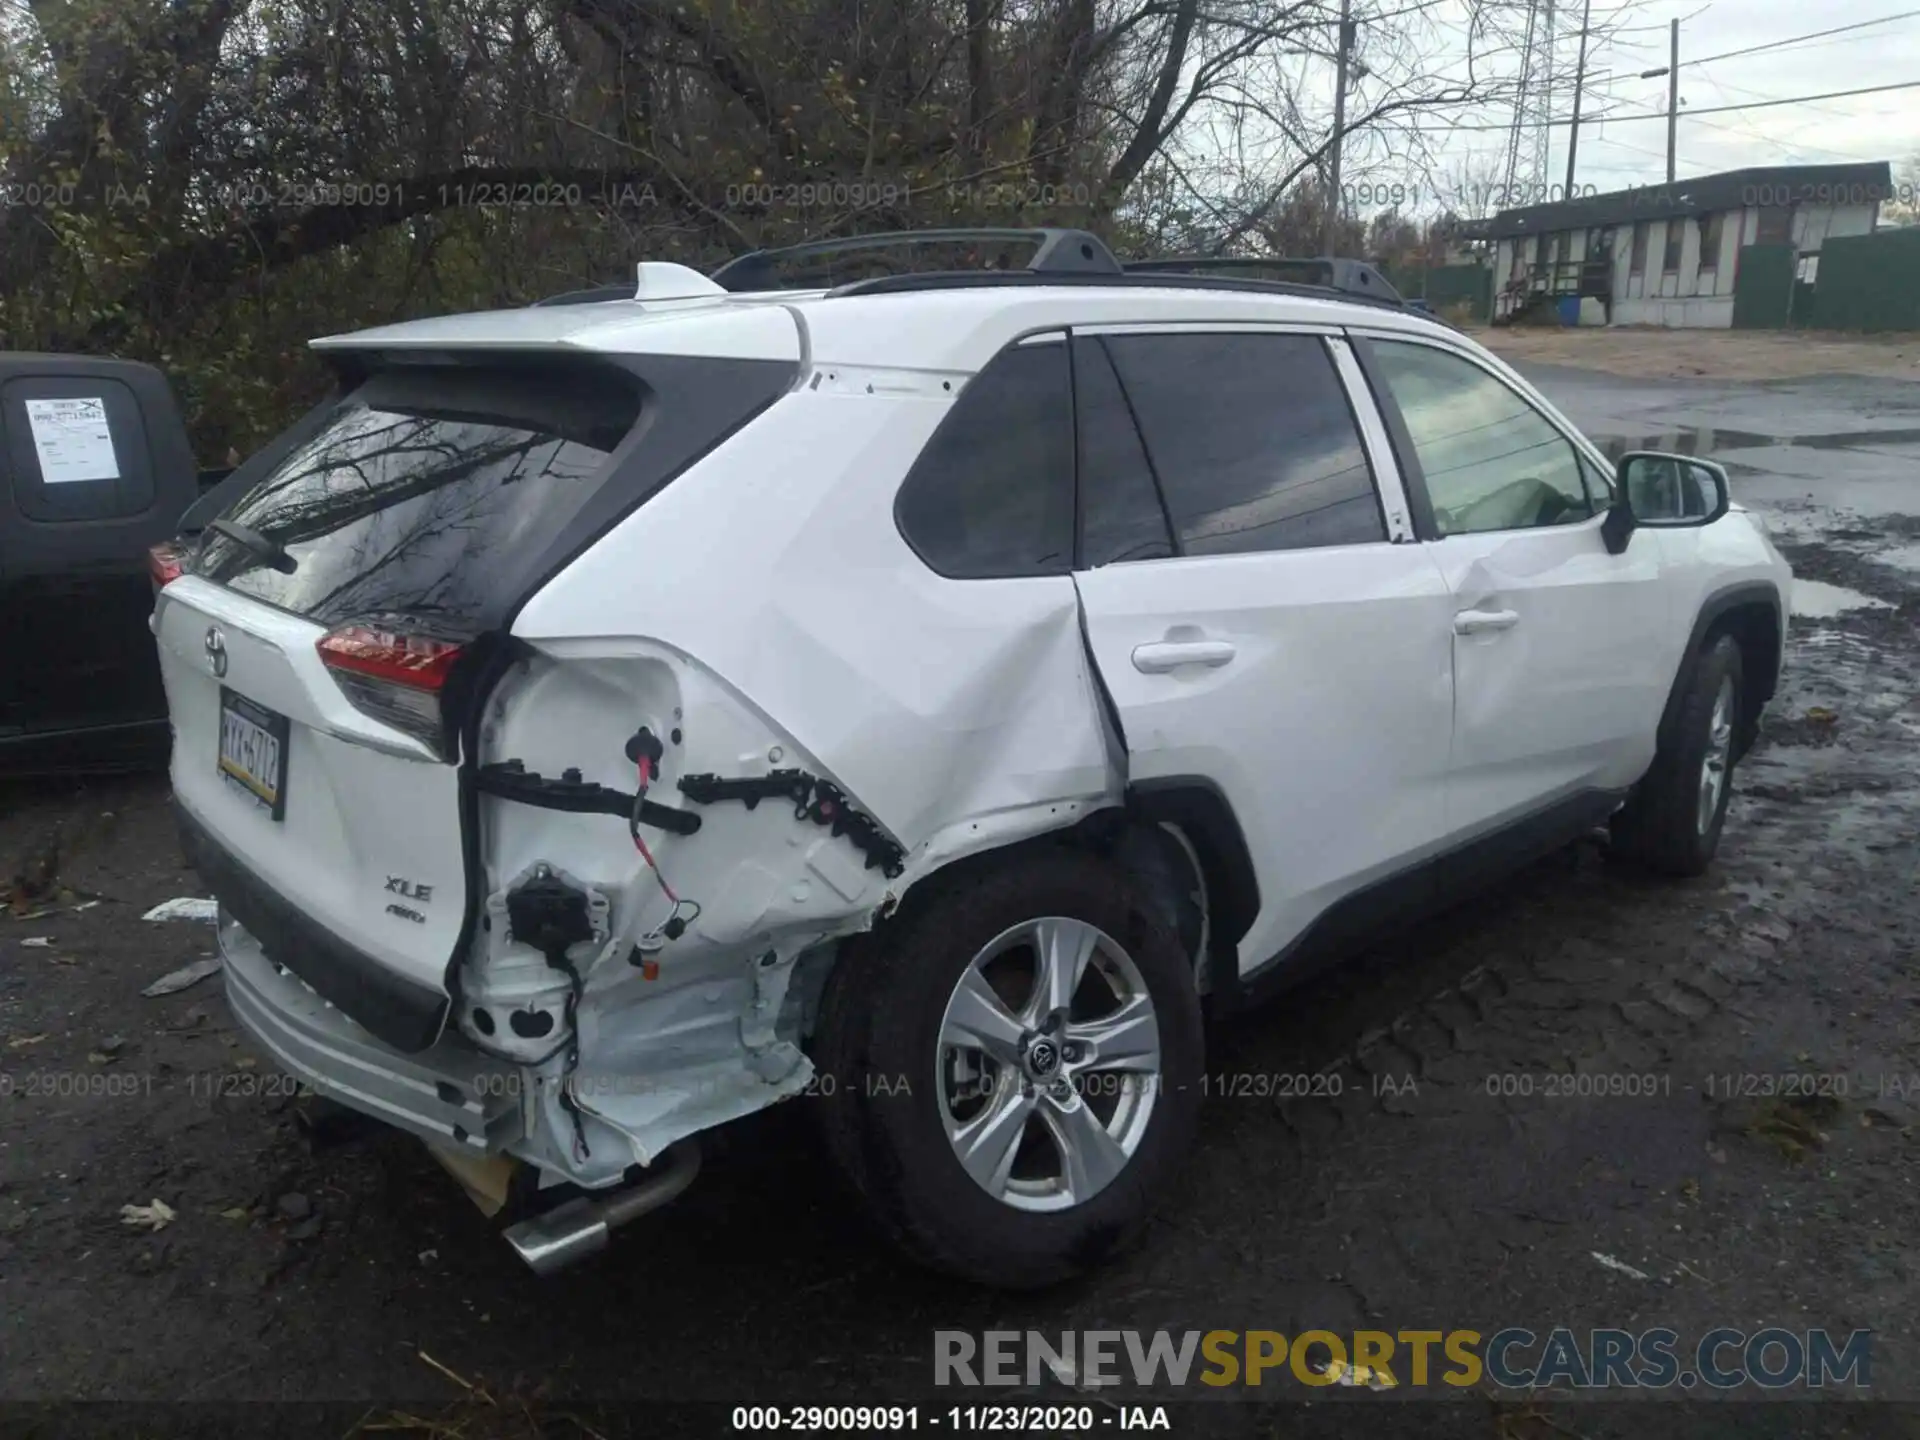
(569, 1102)
(684, 912)
(552, 916)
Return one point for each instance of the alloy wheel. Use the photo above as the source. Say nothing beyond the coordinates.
(1719, 757)
(1048, 1064)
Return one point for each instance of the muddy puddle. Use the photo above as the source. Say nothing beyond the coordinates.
(1817, 600)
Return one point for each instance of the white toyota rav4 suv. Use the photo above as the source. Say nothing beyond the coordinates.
(607, 719)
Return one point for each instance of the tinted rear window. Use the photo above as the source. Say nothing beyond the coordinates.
(420, 487)
(992, 494)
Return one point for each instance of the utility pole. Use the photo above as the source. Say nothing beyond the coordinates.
(1672, 72)
(1579, 80)
(1673, 92)
(1343, 50)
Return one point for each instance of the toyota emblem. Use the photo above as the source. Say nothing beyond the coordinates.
(217, 652)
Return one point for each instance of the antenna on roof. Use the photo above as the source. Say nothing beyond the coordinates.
(653, 280)
(665, 280)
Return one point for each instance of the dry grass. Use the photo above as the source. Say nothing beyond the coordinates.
(1644, 352)
(481, 1412)
(477, 1420)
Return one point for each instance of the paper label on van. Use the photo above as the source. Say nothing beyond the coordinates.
(73, 440)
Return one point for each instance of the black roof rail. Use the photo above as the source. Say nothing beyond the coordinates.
(1354, 278)
(1056, 252)
(983, 279)
(588, 297)
(1060, 256)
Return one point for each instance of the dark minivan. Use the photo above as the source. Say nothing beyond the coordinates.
(95, 470)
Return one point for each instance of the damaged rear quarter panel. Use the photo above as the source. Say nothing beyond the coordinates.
(771, 613)
(930, 701)
(676, 1033)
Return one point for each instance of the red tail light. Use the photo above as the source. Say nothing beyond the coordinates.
(164, 563)
(394, 676)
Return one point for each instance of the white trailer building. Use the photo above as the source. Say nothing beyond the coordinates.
(1670, 254)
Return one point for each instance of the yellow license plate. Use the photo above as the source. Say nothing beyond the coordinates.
(253, 750)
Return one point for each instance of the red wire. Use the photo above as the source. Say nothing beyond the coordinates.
(646, 779)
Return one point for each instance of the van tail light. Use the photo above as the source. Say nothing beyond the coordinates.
(395, 676)
(165, 562)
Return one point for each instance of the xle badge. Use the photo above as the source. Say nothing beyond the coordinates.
(412, 890)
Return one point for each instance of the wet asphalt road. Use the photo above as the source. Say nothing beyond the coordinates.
(1814, 455)
(1432, 1204)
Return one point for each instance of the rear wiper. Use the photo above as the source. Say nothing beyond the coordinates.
(271, 551)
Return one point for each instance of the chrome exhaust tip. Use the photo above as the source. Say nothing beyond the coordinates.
(569, 1233)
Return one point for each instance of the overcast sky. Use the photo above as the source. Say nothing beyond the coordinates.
(1617, 153)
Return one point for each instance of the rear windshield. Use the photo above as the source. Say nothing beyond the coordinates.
(414, 494)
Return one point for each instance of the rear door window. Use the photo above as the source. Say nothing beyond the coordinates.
(413, 496)
(991, 496)
(1253, 441)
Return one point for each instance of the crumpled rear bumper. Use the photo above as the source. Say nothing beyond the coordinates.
(405, 1014)
(450, 1095)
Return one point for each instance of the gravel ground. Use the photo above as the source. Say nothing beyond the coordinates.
(352, 1276)
(1714, 354)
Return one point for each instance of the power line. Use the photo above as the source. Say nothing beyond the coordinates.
(1614, 117)
(1801, 39)
(1673, 112)
(1790, 100)
(1721, 87)
(1790, 148)
(1769, 45)
(1623, 145)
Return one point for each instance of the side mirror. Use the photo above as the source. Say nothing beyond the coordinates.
(1665, 492)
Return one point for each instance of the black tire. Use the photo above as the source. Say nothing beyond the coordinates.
(877, 1049)
(1659, 826)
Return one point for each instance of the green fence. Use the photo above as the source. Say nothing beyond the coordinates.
(1802, 316)
(1868, 282)
(1444, 286)
(1763, 287)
